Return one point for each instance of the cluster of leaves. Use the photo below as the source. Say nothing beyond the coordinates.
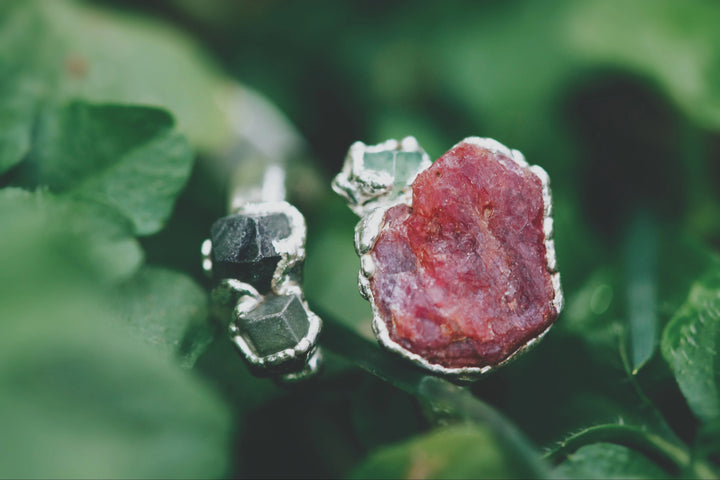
(110, 366)
(95, 343)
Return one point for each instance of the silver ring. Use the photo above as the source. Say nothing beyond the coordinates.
(457, 256)
(255, 256)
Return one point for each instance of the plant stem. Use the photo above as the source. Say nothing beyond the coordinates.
(443, 396)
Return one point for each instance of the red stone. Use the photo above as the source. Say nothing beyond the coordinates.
(461, 277)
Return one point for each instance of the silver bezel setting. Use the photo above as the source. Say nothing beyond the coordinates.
(365, 189)
(245, 297)
(368, 228)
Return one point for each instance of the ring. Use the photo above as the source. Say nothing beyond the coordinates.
(255, 256)
(457, 256)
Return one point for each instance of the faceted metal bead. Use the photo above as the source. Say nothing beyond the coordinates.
(278, 323)
(242, 247)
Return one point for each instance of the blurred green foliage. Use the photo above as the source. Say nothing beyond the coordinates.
(462, 451)
(608, 460)
(81, 395)
(111, 366)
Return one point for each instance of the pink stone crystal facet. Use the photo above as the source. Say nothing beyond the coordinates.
(461, 277)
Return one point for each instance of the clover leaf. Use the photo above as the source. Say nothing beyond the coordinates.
(690, 344)
(129, 158)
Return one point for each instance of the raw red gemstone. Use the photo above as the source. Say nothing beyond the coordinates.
(461, 277)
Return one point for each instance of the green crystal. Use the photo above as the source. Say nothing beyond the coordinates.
(380, 161)
(407, 165)
(402, 166)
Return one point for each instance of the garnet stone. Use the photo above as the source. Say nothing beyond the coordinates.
(242, 247)
(461, 278)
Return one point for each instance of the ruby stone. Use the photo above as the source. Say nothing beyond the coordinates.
(461, 277)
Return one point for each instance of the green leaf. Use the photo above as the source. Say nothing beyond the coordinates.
(673, 455)
(129, 158)
(607, 460)
(104, 236)
(690, 343)
(16, 119)
(707, 441)
(24, 77)
(95, 404)
(110, 49)
(462, 451)
(168, 310)
(52, 52)
(641, 252)
(683, 263)
(452, 403)
(79, 395)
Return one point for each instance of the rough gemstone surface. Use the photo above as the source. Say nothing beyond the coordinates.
(461, 277)
(242, 247)
(278, 323)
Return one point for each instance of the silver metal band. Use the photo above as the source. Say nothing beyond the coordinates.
(255, 181)
(255, 256)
